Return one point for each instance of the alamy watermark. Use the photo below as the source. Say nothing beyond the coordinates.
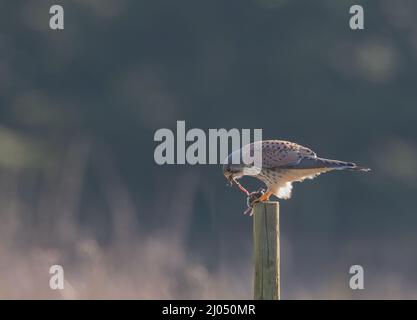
(357, 280)
(195, 146)
(57, 277)
(56, 22)
(356, 22)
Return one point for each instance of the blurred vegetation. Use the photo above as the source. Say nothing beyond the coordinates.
(79, 107)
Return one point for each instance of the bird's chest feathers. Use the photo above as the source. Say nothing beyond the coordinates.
(280, 176)
(270, 177)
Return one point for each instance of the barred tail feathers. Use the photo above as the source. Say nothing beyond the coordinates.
(311, 162)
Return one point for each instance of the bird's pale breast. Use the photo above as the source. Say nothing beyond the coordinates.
(270, 176)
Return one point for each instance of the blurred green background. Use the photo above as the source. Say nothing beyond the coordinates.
(78, 109)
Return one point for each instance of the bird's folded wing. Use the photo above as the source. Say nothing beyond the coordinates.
(278, 153)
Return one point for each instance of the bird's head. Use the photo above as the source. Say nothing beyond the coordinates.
(234, 167)
(232, 172)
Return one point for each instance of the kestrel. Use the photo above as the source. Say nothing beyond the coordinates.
(282, 163)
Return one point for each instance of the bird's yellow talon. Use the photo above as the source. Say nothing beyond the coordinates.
(264, 197)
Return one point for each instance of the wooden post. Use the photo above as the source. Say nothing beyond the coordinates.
(266, 251)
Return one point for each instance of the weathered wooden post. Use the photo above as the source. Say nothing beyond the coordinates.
(266, 251)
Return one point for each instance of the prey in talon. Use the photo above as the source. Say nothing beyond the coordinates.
(252, 198)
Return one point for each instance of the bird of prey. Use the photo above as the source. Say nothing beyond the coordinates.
(282, 163)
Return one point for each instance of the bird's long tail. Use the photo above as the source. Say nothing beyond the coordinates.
(311, 163)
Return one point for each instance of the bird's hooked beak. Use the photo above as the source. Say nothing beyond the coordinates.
(230, 178)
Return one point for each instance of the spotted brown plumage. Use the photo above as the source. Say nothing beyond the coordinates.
(283, 163)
